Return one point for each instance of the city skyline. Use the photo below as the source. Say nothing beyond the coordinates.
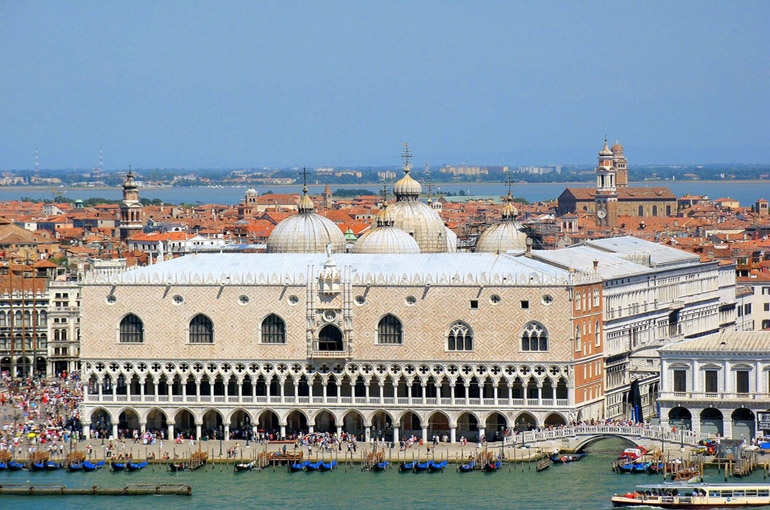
(179, 85)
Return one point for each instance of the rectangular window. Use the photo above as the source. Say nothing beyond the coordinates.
(711, 381)
(767, 307)
(524, 304)
(680, 381)
(742, 381)
(474, 304)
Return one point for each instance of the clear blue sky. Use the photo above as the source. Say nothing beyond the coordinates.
(279, 83)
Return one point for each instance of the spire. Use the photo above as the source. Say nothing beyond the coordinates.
(306, 205)
(406, 155)
(509, 210)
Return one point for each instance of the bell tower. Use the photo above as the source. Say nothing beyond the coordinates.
(130, 208)
(606, 194)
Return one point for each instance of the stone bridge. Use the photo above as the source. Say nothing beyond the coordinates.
(573, 438)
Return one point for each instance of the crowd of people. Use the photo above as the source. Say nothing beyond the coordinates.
(40, 414)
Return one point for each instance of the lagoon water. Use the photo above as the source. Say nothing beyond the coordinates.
(587, 484)
(746, 192)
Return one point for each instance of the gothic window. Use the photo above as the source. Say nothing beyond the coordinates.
(131, 329)
(534, 337)
(389, 330)
(273, 330)
(201, 330)
(460, 337)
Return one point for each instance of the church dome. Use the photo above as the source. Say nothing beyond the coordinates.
(251, 192)
(386, 240)
(504, 236)
(605, 150)
(407, 187)
(451, 240)
(617, 149)
(306, 232)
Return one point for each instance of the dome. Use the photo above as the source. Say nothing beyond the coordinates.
(451, 240)
(502, 237)
(306, 232)
(617, 149)
(407, 188)
(251, 191)
(605, 150)
(386, 240)
(421, 222)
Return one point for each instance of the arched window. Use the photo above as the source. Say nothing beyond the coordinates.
(201, 330)
(534, 337)
(131, 329)
(668, 210)
(389, 330)
(641, 211)
(654, 210)
(273, 330)
(578, 339)
(598, 333)
(460, 337)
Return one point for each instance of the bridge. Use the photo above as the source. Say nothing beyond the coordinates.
(573, 438)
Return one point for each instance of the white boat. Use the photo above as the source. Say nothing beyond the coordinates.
(696, 495)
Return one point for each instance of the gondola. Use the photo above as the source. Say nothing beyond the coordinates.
(406, 466)
(245, 466)
(491, 467)
(52, 466)
(434, 466)
(15, 466)
(567, 458)
(421, 466)
(136, 466)
(655, 467)
(641, 467)
(328, 466)
(118, 466)
(313, 466)
(3, 466)
(467, 468)
(298, 466)
(75, 466)
(178, 466)
(89, 466)
(380, 466)
(37, 466)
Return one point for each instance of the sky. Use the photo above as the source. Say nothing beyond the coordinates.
(249, 84)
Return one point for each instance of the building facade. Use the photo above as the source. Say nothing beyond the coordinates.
(425, 344)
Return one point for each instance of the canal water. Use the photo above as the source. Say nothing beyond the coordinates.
(587, 484)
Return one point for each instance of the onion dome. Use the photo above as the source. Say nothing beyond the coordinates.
(129, 183)
(407, 188)
(306, 232)
(504, 236)
(605, 150)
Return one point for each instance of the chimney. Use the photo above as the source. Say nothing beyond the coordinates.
(596, 265)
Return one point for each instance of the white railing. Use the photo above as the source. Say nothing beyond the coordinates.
(403, 401)
(654, 432)
(261, 399)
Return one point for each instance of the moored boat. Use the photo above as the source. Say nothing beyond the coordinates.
(313, 466)
(245, 466)
(406, 466)
(52, 466)
(701, 495)
(136, 466)
(75, 466)
(178, 466)
(37, 466)
(380, 466)
(298, 466)
(567, 458)
(118, 466)
(15, 466)
(421, 466)
(434, 466)
(3, 466)
(491, 467)
(89, 466)
(467, 468)
(328, 466)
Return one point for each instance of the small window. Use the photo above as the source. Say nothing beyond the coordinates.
(360, 300)
(494, 299)
(547, 299)
(293, 300)
(243, 299)
(524, 304)
(411, 300)
(111, 299)
(474, 304)
(178, 300)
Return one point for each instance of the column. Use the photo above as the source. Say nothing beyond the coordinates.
(142, 427)
(409, 393)
(87, 430)
(296, 392)
(482, 433)
(425, 434)
(227, 431)
(99, 386)
(310, 428)
(467, 394)
(339, 431)
(141, 391)
(510, 394)
(115, 431)
(323, 386)
(366, 388)
(539, 395)
(396, 435)
(367, 432)
(198, 430)
(452, 433)
(494, 394)
(283, 425)
(170, 432)
(452, 393)
(157, 388)
(424, 393)
(382, 393)
(282, 396)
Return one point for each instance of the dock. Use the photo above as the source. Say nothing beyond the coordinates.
(179, 489)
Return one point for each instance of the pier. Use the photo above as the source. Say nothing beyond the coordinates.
(181, 489)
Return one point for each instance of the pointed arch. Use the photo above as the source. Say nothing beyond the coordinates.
(390, 331)
(131, 329)
(534, 337)
(273, 330)
(201, 330)
(459, 337)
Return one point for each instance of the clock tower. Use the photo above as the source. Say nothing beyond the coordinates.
(606, 191)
